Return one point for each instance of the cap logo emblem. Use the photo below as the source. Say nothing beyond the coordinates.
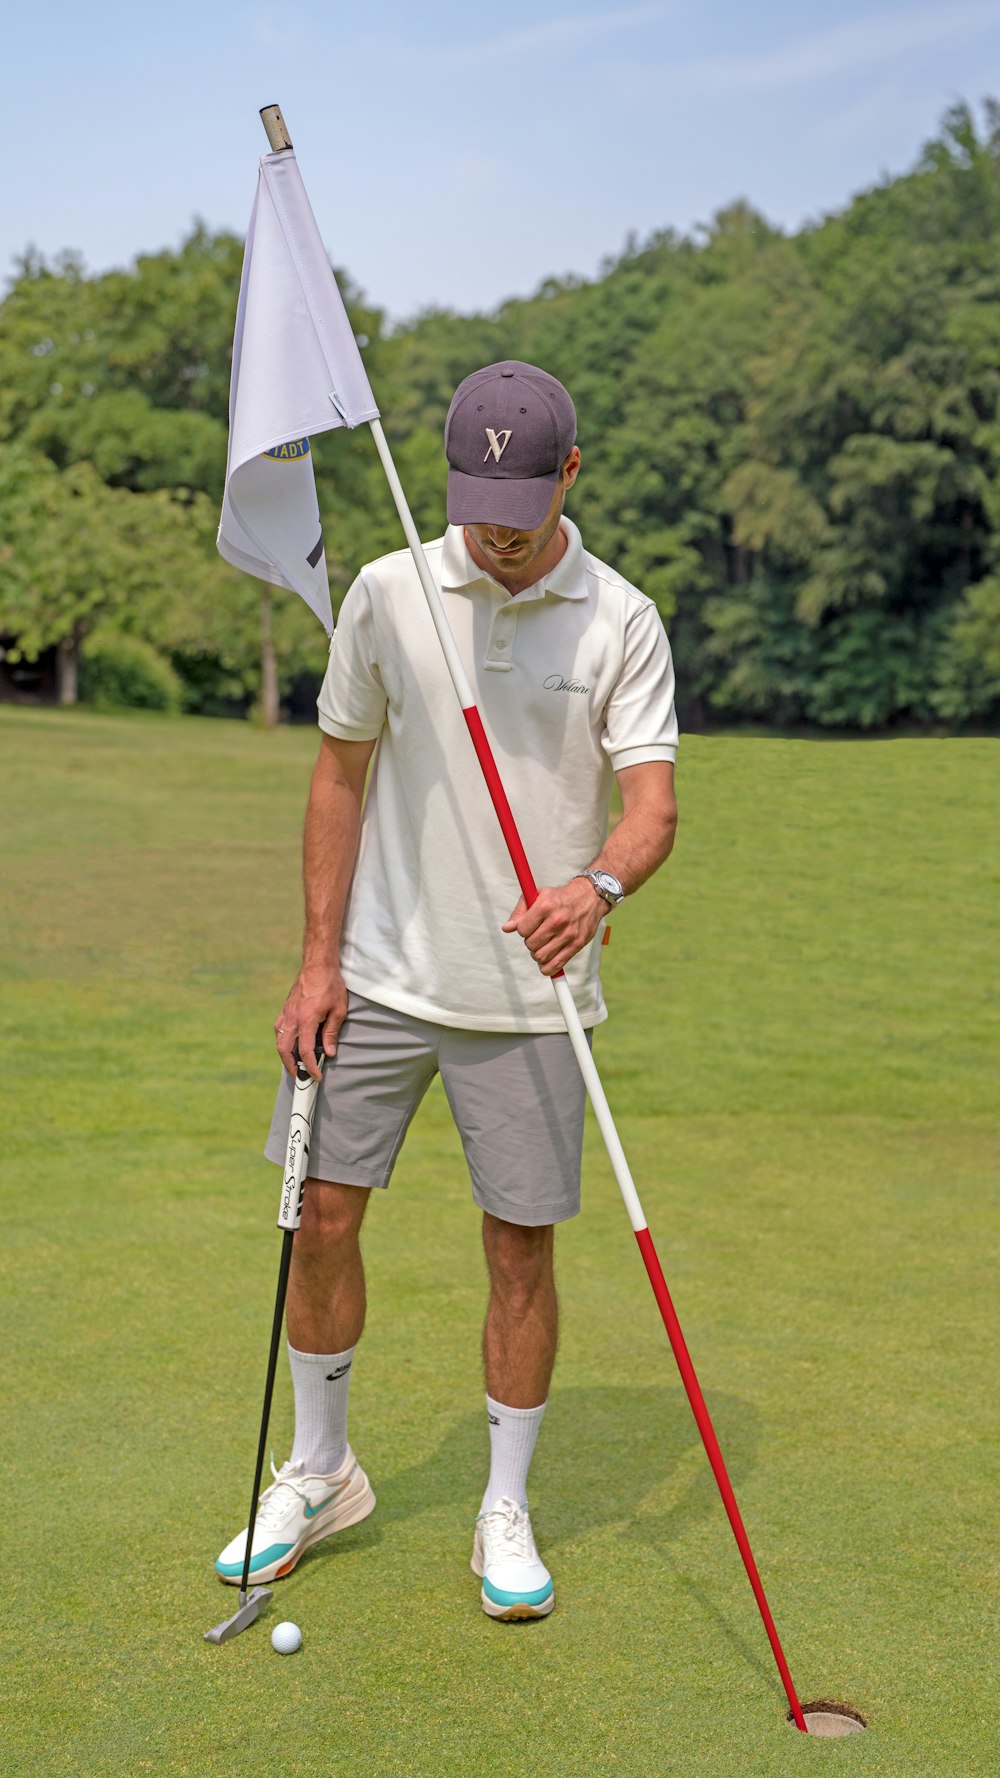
(498, 442)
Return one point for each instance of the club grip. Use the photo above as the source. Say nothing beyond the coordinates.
(297, 1154)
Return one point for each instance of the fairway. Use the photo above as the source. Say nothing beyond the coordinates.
(802, 1054)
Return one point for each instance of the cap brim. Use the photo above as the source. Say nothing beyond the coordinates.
(485, 500)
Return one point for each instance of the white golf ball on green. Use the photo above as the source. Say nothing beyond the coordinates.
(286, 1638)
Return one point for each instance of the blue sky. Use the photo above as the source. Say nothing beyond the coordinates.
(456, 154)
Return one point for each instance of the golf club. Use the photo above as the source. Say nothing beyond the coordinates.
(289, 1217)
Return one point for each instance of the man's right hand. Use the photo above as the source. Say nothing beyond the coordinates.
(316, 1003)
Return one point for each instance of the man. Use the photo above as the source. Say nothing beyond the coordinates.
(414, 961)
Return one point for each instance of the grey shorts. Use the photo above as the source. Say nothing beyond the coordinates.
(517, 1100)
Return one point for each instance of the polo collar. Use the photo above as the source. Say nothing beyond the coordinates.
(568, 579)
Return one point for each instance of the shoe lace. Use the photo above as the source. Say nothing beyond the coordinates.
(274, 1500)
(509, 1523)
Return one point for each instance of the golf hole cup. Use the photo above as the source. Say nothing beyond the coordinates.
(826, 1719)
(286, 1638)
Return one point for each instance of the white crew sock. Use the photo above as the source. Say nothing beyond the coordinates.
(321, 1381)
(513, 1432)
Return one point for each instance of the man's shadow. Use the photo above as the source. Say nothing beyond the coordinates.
(607, 1456)
(628, 1458)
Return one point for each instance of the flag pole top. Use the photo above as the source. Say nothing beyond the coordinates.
(274, 124)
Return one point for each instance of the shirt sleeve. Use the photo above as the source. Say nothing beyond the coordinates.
(640, 719)
(352, 700)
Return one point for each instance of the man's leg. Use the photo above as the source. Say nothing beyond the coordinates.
(519, 1339)
(518, 1100)
(384, 1063)
(321, 1488)
(326, 1284)
(324, 1318)
(519, 1349)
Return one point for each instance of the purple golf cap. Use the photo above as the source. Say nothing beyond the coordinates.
(509, 430)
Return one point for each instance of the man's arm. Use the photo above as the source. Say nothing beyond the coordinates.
(329, 851)
(563, 920)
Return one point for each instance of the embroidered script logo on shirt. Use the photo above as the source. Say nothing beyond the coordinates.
(498, 442)
(556, 682)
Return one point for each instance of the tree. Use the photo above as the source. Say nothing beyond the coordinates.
(76, 552)
(791, 443)
(121, 383)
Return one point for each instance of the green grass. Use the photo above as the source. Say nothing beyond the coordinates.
(803, 1056)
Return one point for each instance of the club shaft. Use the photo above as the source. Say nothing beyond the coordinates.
(581, 1048)
(288, 1236)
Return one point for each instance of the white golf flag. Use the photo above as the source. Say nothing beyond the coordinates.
(296, 371)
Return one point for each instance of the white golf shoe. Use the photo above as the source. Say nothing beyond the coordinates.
(294, 1513)
(516, 1582)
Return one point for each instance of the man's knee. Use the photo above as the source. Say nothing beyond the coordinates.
(519, 1259)
(331, 1215)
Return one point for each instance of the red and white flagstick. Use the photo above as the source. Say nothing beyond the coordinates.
(592, 1079)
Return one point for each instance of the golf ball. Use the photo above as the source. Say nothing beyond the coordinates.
(286, 1638)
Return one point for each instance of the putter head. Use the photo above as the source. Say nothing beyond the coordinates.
(249, 1610)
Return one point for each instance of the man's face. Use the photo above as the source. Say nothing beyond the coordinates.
(512, 553)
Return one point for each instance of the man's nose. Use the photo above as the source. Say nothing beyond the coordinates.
(501, 535)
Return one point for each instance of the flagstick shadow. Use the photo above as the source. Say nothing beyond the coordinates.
(750, 1654)
(739, 1425)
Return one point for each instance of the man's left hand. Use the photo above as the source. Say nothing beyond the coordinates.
(558, 923)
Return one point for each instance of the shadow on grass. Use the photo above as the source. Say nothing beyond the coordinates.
(607, 1457)
(753, 1655)
(627, 1460)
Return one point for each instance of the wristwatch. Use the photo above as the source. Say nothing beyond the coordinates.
(605, 884)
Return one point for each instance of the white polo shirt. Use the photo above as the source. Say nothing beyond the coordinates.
(574, 680)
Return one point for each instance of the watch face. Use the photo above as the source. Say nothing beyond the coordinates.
(608, 884)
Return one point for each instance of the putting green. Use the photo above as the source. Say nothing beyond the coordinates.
(803, 1056)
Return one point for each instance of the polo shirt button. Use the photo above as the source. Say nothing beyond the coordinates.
(501, 644)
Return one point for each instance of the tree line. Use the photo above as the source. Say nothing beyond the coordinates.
(791, 442)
